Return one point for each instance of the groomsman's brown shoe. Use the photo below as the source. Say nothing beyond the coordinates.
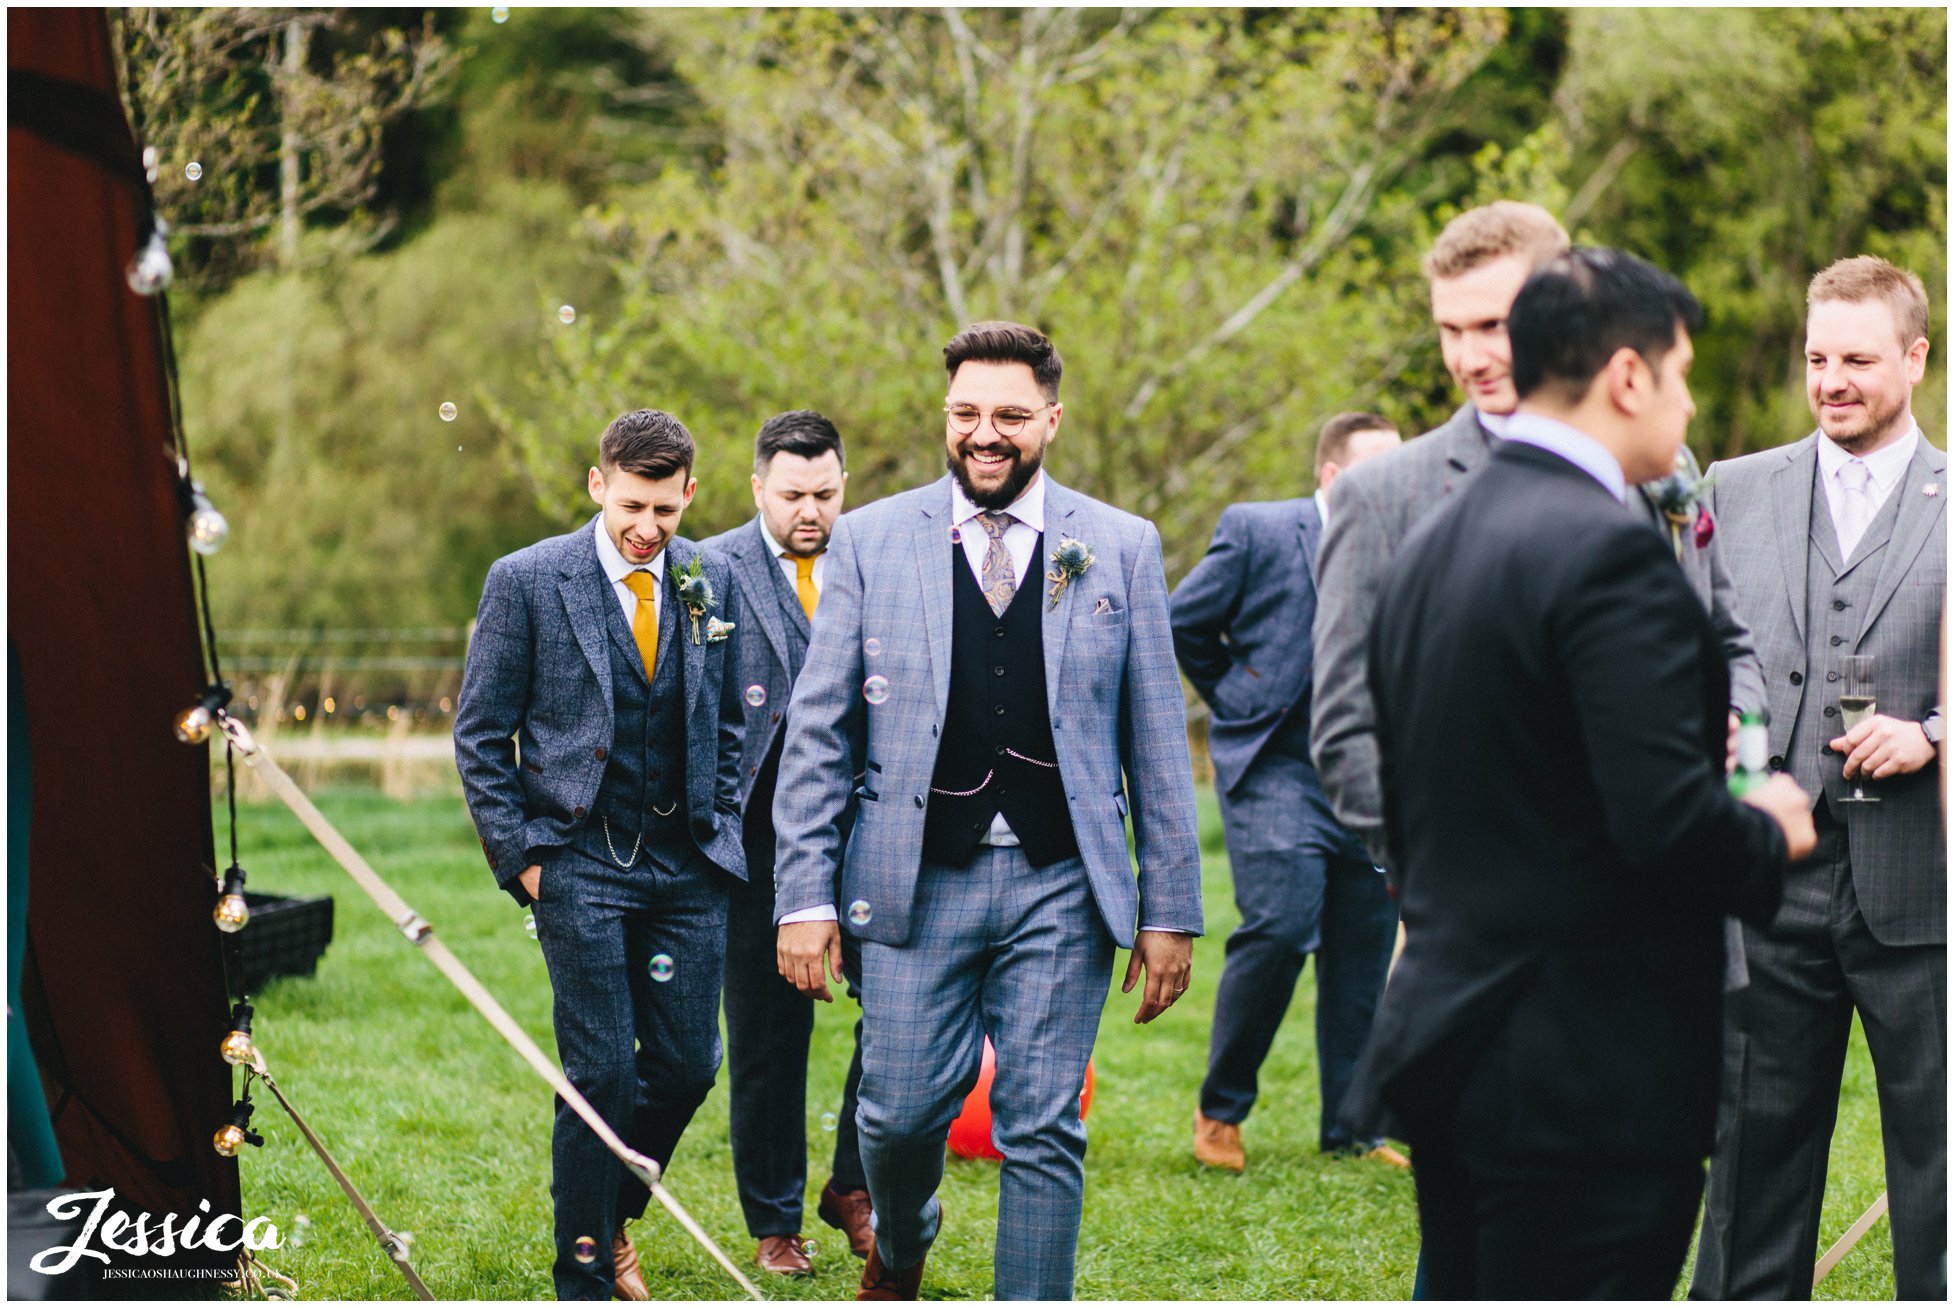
(1218, 1144)
(785, 1255)
(1383, 1153)
(627, 1282)
(849, 1214)
(878, 1282)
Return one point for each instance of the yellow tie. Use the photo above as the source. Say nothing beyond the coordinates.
(804, 582)
(644, 622)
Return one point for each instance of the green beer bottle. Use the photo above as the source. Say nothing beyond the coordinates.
(1753, 753)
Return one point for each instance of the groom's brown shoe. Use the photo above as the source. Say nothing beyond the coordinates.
(627, 1282)
(1218, 1144)
(784, 1255)
(849, 1214)
(878, 1282)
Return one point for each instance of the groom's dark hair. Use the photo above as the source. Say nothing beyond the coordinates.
(649, 442)
(1007, 342)
(798, 431)
(1578, 309)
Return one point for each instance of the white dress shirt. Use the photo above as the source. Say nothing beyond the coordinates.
(1322, 498)
(1577, 447)
(1887, 466)
(788, 568)
(617, 567)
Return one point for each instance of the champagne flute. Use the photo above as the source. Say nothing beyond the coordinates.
(1857, 702)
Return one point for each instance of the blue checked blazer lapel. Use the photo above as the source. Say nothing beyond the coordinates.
(1918, 514)
(1792, 493)
(585, 591)
(1309, 523)
(933, 576)
(758, 576)
(1055, 619)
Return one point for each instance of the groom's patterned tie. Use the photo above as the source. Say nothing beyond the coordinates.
(1000, 579)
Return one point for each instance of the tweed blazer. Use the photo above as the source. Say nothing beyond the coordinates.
(1763, 506)
(1118, 721)
(534, 723)
(1236, 617)
(1378, 503)
(773, 644)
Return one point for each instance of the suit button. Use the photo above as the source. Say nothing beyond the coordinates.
(998, 671)
(1831, 712)
(776, 716)
(1838, 606)
(602, 753)
(999, 710)
(1797, 678)
(1830, 676)
(1838, 640)
(1777, 762)
(580, 810)
(999, 633)
(919, 801)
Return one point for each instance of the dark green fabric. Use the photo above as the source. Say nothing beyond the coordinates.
(30, 1134)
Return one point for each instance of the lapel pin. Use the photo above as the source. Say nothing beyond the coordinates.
(956, 536)
(1932, 488)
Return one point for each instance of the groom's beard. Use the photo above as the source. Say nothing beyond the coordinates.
(1022, 468)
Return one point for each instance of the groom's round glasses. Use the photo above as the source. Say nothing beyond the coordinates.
(966, 418)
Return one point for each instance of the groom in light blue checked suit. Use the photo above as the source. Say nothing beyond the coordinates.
(992, 675)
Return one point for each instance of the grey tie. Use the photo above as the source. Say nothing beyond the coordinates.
(1000, 578)
(1855, 505)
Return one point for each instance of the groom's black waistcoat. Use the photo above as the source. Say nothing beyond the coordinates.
(998, 722)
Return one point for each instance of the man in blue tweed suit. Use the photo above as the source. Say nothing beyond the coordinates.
(1305, 885)
(780, 560)
(992, 674)
(598, 740)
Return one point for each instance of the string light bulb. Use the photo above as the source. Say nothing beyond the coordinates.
(232, 912)
(193, 725)
(205, 527)
(237, 1133)
(237, 1048)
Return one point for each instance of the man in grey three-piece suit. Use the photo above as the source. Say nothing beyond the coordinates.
(1838, 544)
(780, 562)
(598, 740)
(992, 674)
(1476, 267)
(1304, 884)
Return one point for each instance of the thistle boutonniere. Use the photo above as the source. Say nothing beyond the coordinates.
(694, 591)
(717, 629)
(1069, 560)
(1680, 497)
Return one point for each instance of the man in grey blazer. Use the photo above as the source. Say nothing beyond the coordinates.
(993, 676)
(1476, 267)
(1305, 886)
(780, 562)
(1838, 544)
(598, 740)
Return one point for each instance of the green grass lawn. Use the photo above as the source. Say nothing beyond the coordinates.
(447, 1132)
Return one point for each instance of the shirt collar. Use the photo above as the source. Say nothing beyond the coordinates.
(1028, 508)
(779, 550)
(616, 566)
(1322, 498)
(1496, 423)
(1577, 447)
(1886, 464)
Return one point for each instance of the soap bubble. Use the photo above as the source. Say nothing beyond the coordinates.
(529, 925)
(586, 1249)
(661, 967)
(448, 411)
(301, 1228)
(876, 690)
(756, 695)
(829, 1121)
(809, 1248)
(858, 912)
(566, 315)
(193, 170)
(500, 13)
(871, 647)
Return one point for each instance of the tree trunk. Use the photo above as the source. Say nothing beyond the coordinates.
(296, 36)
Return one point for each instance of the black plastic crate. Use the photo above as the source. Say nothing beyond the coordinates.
(285, 937)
